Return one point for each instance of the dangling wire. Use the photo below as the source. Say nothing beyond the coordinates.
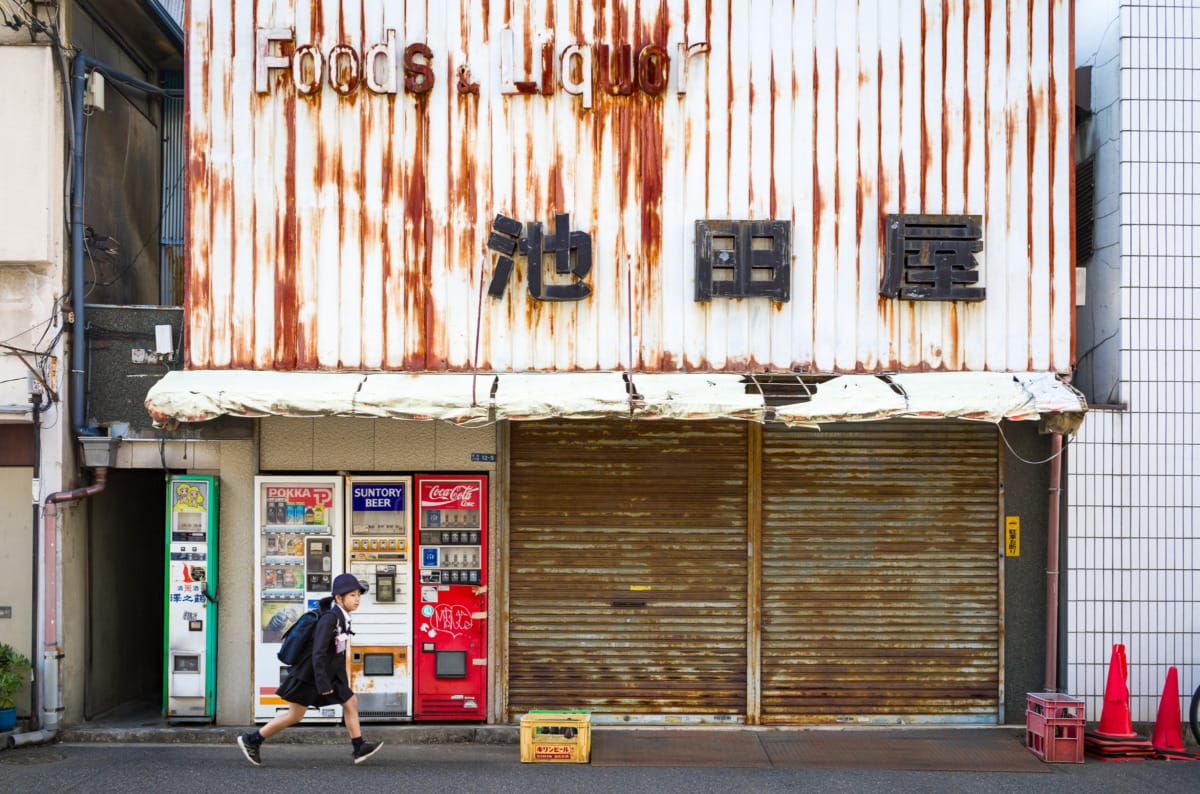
(1066, 441)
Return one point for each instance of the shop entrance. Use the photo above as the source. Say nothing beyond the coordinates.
(125, 591)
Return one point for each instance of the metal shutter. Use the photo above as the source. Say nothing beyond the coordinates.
(627, 567)
(881, 573)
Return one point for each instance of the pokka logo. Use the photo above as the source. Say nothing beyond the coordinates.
(462, 494)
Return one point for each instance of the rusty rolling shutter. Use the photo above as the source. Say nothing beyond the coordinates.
(627, 567)
(881, 573)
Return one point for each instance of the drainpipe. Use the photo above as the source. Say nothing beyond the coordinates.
(52, 626)
(34, 700)
(79, 322)
(1052, 532)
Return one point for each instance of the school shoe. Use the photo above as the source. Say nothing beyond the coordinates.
(250, 749)
(365, 751)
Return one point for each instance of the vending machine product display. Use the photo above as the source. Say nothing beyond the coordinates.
(378, 548)
(189, 669)
(298, 553)
(450, 615)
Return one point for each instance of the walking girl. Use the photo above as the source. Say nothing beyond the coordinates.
(321, 678)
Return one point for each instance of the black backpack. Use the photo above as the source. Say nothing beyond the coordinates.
(297, 640)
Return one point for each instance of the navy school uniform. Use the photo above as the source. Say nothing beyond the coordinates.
(325, 668)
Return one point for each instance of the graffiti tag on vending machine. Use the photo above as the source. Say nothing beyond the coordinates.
(454, 619)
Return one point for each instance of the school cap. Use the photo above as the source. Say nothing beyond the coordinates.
(348, 583)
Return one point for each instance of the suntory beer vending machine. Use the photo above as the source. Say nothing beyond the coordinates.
(190, 631)
(297, 554)
(450, 615)
(379, 553)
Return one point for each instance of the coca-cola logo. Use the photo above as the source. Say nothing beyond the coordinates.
(460, 493)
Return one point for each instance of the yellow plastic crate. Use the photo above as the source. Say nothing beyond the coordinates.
(556, 737)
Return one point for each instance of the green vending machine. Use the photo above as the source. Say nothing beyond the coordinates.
(190, 633)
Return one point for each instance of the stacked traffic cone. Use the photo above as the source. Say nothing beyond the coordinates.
(1168, 730)
(1114, 739)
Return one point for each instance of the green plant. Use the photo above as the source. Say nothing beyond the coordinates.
(14, 672)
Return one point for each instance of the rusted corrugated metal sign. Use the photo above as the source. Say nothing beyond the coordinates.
(365, 178)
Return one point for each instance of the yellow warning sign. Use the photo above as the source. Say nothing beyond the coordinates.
(1012, 536)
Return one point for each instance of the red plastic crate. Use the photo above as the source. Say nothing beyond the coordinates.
(1054, 727)
(1055, 705)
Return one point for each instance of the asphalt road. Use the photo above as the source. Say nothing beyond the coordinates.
(327, 769)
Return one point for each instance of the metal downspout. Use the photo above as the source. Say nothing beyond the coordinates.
(1052, 532)
(52, 626)
(35, 702)
(79, 321)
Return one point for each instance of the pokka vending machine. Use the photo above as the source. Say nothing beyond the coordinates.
(379, 552)
(190, 666)
(450, 615)
(298, 524)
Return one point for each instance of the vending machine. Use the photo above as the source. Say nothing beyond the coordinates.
(299, 551)
(379, 548)
(190, 630)
(450, 614)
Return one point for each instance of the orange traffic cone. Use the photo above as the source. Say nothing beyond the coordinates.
(1168, 730)
(1115, 719)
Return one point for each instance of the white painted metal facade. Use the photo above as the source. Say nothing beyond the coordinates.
(333, 224)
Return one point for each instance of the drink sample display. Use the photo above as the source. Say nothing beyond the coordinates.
(297, 555)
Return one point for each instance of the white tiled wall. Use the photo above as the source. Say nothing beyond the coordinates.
(1133, 553)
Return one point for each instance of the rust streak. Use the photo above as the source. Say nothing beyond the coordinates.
(416, 284)
(925, 144)
(286, 310)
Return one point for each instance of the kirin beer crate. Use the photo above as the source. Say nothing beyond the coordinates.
(563, 737)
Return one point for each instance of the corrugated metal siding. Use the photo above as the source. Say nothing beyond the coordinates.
(881, 574)
(627, 567)
(332, 231)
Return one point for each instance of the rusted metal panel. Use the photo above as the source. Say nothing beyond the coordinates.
(627, 568)
(880, 574)
(346, 161)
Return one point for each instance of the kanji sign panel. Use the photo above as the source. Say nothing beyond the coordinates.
(932, 257)
(743, 259)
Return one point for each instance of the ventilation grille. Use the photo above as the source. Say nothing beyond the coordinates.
(1085, 210)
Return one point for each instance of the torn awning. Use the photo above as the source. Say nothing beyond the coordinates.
(468, 398)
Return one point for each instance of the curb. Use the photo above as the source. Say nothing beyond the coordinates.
(298, 734)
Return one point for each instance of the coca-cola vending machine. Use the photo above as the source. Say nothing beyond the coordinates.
(450, 609)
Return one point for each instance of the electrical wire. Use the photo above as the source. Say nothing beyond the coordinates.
(1066, 442)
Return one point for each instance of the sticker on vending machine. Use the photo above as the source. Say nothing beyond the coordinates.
(429, 594)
